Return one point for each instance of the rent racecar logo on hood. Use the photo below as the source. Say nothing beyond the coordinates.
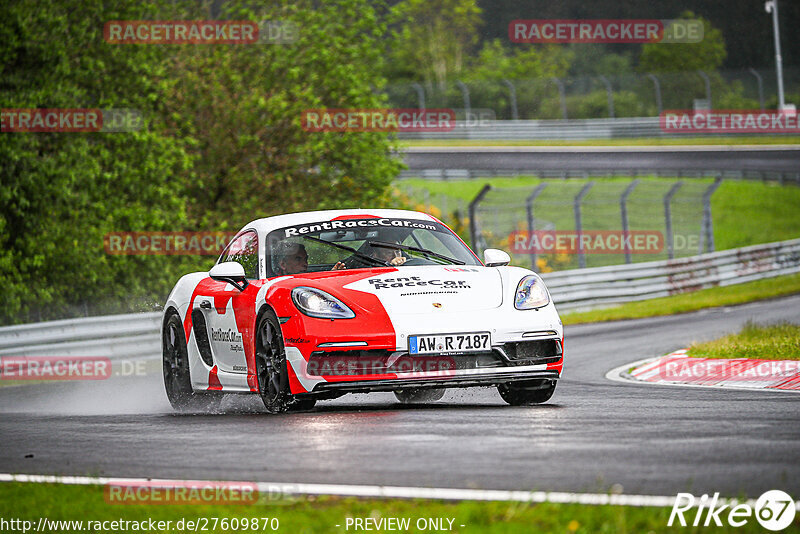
(412, 281)
(434, 288)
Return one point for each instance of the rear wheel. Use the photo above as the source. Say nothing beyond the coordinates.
(175, 365)
(527, 392)
(413, 396)
(271, 369)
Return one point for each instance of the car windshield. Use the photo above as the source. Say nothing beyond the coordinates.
(362, 243)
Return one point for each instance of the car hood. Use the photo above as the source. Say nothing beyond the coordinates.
(414, 290)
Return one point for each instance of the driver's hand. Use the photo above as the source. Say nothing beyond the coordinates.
(339, 266)
(398, 260)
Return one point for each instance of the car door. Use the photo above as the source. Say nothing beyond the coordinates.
(226, 311)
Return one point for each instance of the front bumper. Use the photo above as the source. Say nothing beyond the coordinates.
(384, 363)
(308, 378)
(466, 378)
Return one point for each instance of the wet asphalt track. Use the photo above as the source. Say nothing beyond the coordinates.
(592, 434)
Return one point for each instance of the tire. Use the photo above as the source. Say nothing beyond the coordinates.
(175, 368)
(271, 369)
(528, 392)
(414, 396)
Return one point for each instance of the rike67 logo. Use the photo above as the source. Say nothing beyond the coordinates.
(774, 510)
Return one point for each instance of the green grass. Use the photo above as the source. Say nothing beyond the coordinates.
(770, 342)
(670, 141)
(744, 212)
(772, 211)
(747, 213)
(63, 502)
(687, 302)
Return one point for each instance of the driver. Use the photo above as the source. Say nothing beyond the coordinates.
(290, 258)
(391, 256)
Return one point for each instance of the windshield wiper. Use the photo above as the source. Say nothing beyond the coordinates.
(351, 250)
(423, 251)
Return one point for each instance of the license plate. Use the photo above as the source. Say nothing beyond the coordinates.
(449, 343)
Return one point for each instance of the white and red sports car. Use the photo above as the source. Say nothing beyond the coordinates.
(311, 306)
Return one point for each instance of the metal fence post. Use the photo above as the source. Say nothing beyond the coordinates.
(657, 86)
(531, 221)
(610, 92)
(755, 73)
(561, 95)
(473, 222)
(465, 94)
(668, 219)
(708, 87)
(512, 94)
(623, 210)
(420, 94)
(576, 207)
(707, 226)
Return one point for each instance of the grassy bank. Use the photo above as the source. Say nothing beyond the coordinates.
(744, 212)
(688, 302)
(329, 514)
(770, 342)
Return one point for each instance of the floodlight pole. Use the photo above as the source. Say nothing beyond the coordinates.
(772, 7)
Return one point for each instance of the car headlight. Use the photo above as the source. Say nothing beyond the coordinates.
(531, 293)
(317, 303)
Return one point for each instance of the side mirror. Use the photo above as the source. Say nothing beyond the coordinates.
(493, 257)
(231, 272)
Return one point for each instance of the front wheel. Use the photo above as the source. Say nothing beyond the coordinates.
(271, 369)
(528, 392)
(175, 366)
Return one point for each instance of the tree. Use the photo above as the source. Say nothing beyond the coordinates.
(677, 66)
(63, 191)
(707, 55)
(244, 105)
(434, 37)
(222, 143)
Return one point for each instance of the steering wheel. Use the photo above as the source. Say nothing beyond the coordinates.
(354, 262)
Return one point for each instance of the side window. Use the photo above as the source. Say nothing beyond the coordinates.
(244, 250)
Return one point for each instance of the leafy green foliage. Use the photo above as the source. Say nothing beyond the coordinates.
(706, 55)
(434, 37)
(63, 191)
(222, 143)
(244, 106)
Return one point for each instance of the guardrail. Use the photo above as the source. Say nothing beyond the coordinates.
(587, 288)
(549, 129)
(565, 129)
(136, 335)
(128, 336)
